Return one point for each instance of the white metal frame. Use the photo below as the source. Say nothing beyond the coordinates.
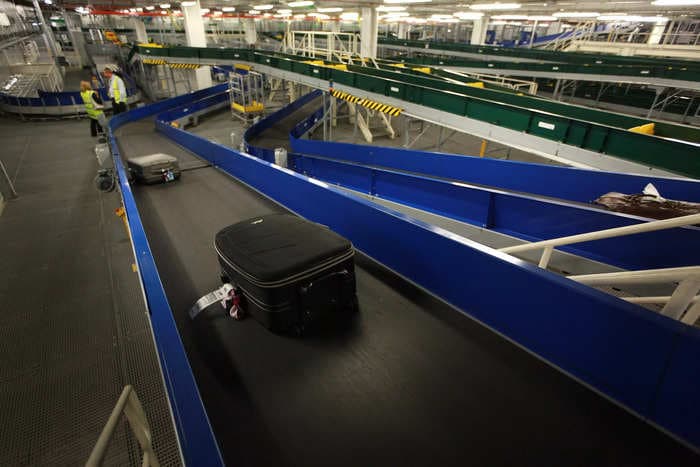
(676, 304)
(341, 46)
(130, 405)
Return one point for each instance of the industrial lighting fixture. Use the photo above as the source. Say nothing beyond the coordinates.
(391, 8)
(633, 19)
(511, 17)
(495, 6)
(396, 14)
(165, 6)
(284, 11)
(468, 15)
(440, 16)
(542, 18)
(186, 4)
(48, 2)
(329, 10)
(576, 14)
(228, 9)
(300, 4)
(263, 7)
(204, 11)
(407, 1)
(350, 16)
(150, 8)
(675, 2)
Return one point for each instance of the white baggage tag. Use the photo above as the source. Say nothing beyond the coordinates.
(209, 299)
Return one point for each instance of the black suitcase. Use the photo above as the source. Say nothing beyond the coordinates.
(154, 168)
(289, 273)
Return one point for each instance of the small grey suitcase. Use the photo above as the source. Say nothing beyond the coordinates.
(155, 168)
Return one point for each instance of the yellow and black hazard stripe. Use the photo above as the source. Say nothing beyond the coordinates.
(368, 103)
(183, 66)
(154, 61)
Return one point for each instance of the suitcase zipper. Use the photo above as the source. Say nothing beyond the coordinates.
(299, 276)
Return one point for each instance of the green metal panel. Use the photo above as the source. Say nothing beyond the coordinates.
(577, 133)
(595, 139)
(183, 52)
(444, 101)
(370, 83)
(343, 77)
(508, 117)
(549, 127)
(654, 151)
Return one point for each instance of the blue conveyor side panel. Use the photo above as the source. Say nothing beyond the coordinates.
(560, 182)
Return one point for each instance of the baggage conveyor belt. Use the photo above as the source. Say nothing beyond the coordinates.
(412, 381)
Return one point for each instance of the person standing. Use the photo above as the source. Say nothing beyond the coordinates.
(117, 91)
(93, 108)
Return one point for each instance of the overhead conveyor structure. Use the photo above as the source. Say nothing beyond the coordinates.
(412, 367)
(576, 135)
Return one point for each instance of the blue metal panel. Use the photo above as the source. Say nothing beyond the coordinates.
(196, 438)
(676, 404)
(523, 216)
(618, 348)
(560, 182)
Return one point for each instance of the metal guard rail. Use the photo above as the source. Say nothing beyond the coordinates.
(667, 154)
(644, 361)
(197, 442)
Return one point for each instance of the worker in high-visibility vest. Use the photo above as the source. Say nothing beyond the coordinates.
(116, 90)
(93, 108)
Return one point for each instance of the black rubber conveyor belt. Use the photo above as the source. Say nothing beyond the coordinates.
(411, 382)
(278, 135)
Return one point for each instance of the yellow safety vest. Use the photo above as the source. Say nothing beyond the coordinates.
(115, 88)
(90, 105)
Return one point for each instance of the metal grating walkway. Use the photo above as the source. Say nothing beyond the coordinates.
(73, 326)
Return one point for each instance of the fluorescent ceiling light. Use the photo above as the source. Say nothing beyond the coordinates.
(675, 2)
(633, 19)
(576, 14)
(397, 14)
(446, 20)
(140, 10)
(407, 1)
(165, 6)
(284, 11)
(267, 6)
(302, 16)
(542, 18)
(204, 11)
(319, 15)
(468, 15)
(350, 16)
(253, 12)
(329, 10)
(150, 8)
(228, 9)
(440, 16)
(510, 17)
(391, 8)
(300, 4)
(186, 4)
(48, 2)
(495, 6)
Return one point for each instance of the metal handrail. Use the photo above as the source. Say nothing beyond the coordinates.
(548, 245)
(130, 405)
(685, 295)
